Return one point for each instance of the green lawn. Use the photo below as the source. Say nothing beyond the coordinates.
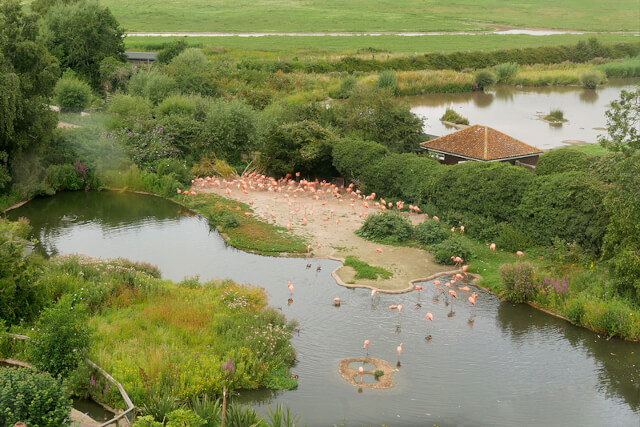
(319, 46)
(383, 15)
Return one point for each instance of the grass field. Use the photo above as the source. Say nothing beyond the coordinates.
(320, 46)
(363, 15)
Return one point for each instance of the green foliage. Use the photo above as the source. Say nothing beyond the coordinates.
(513, 239)
(281, 417)
(352, 156)
(505, 71)
(484, 78)
(555, 115)
(403, 176)
(177, 105)
(453, 117)
(34, 398)
(67, 177)
(156, 406)
(208, 409)
(72, 94)
(114, 74)
(172, 50)
(377, 116)
(303, 147)
(452, 247)
(366, 271)
(28, 74)
(387, 227)
(563, 160)
(565, 205)
(175, 168)
(387, 80)
(347, 85)
(613, 318)
(629, 67)
(518, 281)
(153, 85)
(81, 35)
(378, 373)
(147, 146)
(489, 189)
(430, 232)
(623, 123)
(61, 338)
(591, 79)
(184, 418)
(21, 297)
(232, 129)
(147, 421)
(224, 220)
(127, 110)
(242, 416)
(193, 72)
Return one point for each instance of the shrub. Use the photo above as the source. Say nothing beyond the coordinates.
(206, 408)
(153, 85)
(232, 129)
(22, 296)
(452, 247)
(61, 337)
(453, 117)
(172, 50)
(566, 205)
(192, 72)
(127, 110)
(484, 78)
(241, 416)
(147, 146)
(505, 71)
(591, 79)
(430, 233)
(518, 281)
(513, 239)
(184, 418)
(386, 227)
(563, 160)
(556, 115)
(177, 105)
(67, 177)
(72, 94)
(34, 398)
(147, 421)
(351, 156)
(178, 169)
(387, 80)
(613, 318)
(347, 84)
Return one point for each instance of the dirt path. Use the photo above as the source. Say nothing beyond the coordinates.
(337, 240)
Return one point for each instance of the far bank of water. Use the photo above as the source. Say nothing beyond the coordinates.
(515, 111)
(495, 364)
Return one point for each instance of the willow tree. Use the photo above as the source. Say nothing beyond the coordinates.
(28, 74)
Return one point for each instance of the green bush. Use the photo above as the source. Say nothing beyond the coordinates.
(72, 94)
(193, 73)
(452, 247)
(613, 318)
(184, 418)
(352, 156)
(172, 50)
(347, 85)
(484, 78)
(127, 110)
(513, 239)
(505, 71)
(176, 168)
(147, 147)
(518, 281)
(241, 416)
(67, 177)
(61, 337)
(147, 421)
(386, 227)
(430, 232)
(153, 85)
(591, 79)
(232, 129)
(177, 105)
(22, 296)
(34, 398)
(629, 67)
(453, 117)
(566, 205)
(563, 160)
(387, 80)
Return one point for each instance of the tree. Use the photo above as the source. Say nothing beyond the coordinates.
(28, 74)
(623, 123)
(81, 35)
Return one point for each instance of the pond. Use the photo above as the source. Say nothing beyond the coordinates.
(495, 364)
(515, 111)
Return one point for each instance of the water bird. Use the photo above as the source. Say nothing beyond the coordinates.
(318, 269)
(308, 266)
(336, 302)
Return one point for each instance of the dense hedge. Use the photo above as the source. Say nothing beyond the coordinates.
(352, 156)
(566, 205)
(581, 52)
(563, 160)
(387, 227)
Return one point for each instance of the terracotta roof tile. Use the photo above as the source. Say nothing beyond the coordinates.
(470, 142)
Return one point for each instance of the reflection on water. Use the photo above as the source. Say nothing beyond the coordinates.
(493, 364)
(515, 111)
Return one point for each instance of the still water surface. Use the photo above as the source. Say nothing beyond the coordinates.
(495, 364)
(515, 111)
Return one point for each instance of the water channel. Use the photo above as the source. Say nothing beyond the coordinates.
(515, 111)
(495, 364)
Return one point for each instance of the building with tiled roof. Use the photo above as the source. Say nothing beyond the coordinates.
(484, 144)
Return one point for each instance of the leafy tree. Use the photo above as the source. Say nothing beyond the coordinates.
(81, 35)
(377, 116)
(114, 74)
(72, 94)
(42, 6)
(623, 123)
(61, 337)
(352, 156)
(299, 147)
(28, 74)
(174, 49)
(193, 72)
(232, 128)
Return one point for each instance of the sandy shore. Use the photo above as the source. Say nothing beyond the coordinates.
(331, 223)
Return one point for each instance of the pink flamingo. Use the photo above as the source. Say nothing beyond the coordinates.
(290, 286)
(336, 302)
(493, 247)
(366, 346)
(520, 254)
(361, 372)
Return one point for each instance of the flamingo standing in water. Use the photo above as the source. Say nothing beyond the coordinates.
(336, 302)
(290, 286)
(361, 372)
(430, 317)
(366, 346)
(399, 350)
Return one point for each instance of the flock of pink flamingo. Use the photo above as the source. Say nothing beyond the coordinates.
(287, 189)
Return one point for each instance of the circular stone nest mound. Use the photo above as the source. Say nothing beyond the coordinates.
(350, 374)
